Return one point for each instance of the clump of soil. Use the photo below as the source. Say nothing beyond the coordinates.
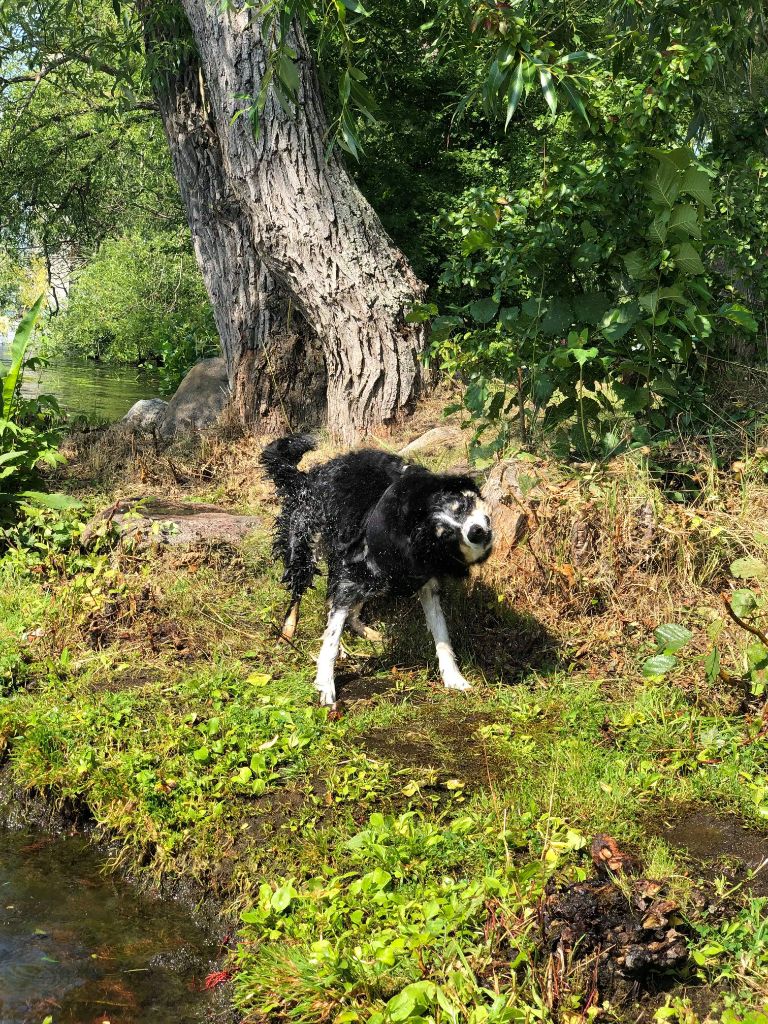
(138, 617)
(609, 936)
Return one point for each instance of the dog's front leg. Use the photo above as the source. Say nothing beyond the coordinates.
(326, 659)
(433, 612)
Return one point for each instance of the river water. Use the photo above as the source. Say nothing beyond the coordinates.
(79, 946)
(86, 388)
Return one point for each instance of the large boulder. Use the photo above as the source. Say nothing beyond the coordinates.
(199, 400)
(146, 414)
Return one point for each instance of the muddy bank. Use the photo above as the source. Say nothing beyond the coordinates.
(721, 845)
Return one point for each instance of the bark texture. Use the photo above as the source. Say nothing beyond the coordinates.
(274, 359)
(281, 202)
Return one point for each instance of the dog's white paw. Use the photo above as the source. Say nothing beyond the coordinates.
(326, 690)
(456, 682)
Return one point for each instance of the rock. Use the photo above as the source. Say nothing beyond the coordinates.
(143, 522)
(508, 506)
(199, 400)
(146, 414)
(434, 440)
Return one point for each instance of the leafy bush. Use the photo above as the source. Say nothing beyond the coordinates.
(588, 302)
(139, 299)
(27, 439)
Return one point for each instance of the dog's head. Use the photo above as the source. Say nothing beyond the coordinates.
(428, 524)
(459, 518)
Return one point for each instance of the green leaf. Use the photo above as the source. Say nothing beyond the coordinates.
(748, 568)
(679, 158)
(558, 317)
(650, 300)
(696, 183)
(687, 259)
(288, 73)
(202, 754)
(515, 91)
(18, 351)
(548, 88)
(740, 315)
(663, 184)
(282, 897)
(743, 602)
(356, 7)
(659, 665)
(684, 218)
(657, 232)
(633, 398)
(574, 98)
(636, 264)
(582, 356)
(57, 501)
(620, 319)
(484, 310)
(474, 240)
(671, 637)
(590, 307)
(712, 664)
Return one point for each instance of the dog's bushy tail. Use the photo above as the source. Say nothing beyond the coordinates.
(281, 457)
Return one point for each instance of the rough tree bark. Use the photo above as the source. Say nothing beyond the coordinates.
(274, 359)
(325, 254)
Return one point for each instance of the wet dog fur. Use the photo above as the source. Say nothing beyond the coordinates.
(384, 527)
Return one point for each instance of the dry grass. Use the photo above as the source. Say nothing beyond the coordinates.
(610, 552)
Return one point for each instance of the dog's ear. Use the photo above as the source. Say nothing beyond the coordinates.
(389, 526)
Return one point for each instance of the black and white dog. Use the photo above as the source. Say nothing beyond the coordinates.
(385, 527)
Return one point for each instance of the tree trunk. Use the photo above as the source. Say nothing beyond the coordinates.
(318, 238)
(274, 359)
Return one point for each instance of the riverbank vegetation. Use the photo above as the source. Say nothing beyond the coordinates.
(391, 864)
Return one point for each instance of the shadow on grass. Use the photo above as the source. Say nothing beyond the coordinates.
(490, 638)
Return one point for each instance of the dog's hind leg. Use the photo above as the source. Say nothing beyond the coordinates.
(291, 620)
(326, 659)
(354, 625)
(433, 612)
(295, 545)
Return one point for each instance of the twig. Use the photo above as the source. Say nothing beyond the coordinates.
(761, 636)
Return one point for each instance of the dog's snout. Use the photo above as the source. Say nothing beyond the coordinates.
(478, 534)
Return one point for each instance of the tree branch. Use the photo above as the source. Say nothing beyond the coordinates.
(761, 636)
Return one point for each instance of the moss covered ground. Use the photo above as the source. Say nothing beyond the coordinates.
(389, 863)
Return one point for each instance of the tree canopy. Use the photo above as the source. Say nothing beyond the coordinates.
(579, 185)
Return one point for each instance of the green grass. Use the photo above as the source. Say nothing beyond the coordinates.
(388, 865)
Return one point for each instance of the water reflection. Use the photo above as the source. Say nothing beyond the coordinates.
(86, 388)
(79, 946)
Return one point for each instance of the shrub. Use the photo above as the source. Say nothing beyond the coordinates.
(138, 300)
(28, 440)
(589, 304)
